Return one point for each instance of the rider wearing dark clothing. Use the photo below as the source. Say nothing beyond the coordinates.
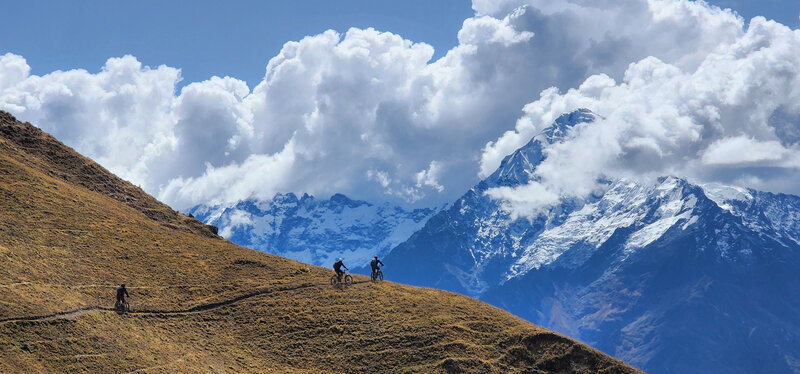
(374, 264)
(122, 292)
(338, 268)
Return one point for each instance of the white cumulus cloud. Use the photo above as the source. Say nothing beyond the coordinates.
(371, 115)
(430, 177)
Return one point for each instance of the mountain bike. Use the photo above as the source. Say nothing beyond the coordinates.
(122, 306)
(335, 280)
(377, 275)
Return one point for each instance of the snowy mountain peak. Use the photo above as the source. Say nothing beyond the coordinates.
(559, 129)
(287, 198)
(484, 246)
(723, 195)
(517, 168)
(340, 199)
(773, 215)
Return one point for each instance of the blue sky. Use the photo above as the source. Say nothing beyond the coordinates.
(684, 89)
(236, 38)
(206, 38)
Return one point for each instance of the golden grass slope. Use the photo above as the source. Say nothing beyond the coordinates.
(202, 304)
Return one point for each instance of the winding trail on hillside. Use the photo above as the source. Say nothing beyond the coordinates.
(193, 310)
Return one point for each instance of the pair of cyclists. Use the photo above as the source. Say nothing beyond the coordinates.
(340, 264)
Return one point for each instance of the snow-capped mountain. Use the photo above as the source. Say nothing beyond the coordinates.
(315, 231)
(669, 276)
(474, 243)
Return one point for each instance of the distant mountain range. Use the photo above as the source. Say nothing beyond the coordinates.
(671, 276)
(315, 231)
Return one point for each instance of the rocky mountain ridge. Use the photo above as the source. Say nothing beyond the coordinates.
(315, 231)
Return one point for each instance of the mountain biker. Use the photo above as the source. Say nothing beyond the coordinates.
(338, 267)
(122, 293)
(374, 264)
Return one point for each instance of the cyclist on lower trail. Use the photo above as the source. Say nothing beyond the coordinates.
(374, 264)
(122, 293)
(338, 268)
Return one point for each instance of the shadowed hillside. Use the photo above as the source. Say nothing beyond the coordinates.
(70, 231)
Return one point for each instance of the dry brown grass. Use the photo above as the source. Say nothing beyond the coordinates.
(66, 245)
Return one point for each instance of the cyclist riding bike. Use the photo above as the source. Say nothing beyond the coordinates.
(338, 268)
(374, 264)
(122, 293)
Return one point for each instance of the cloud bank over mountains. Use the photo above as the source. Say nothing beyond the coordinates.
(725, 121)
(683, 88)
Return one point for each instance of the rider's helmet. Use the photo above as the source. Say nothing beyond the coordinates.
(376, 256)
(341, 259)
(122, 285)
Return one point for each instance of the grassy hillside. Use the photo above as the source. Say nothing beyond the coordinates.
(70, 231)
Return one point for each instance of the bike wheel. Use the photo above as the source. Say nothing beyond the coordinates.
(334, 280)
(126, 307)
(380, 275)
(348, 280)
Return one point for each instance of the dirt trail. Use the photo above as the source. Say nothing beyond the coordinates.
(67, 314)
(78, 286)
(193, 310)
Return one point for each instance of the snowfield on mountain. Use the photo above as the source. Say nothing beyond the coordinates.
(669, 275)
(315, 231)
